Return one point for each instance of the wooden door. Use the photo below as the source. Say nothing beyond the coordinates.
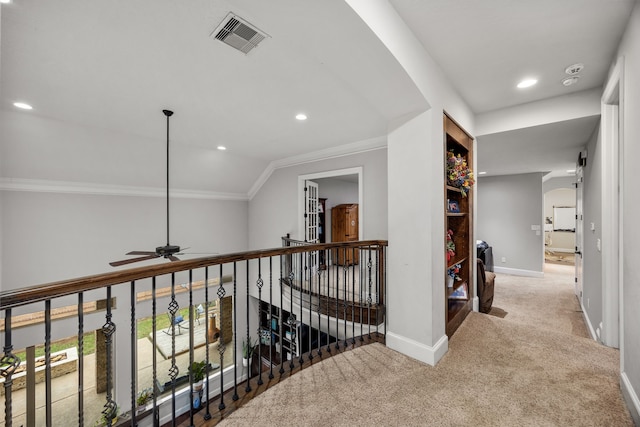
(344, 228)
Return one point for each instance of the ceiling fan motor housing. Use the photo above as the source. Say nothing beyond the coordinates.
(167, 250)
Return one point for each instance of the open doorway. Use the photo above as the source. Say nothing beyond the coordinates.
(336, 187)
(560, 226)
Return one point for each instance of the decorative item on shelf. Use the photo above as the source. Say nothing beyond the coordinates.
(452, 275)
(452, 206)
(198, 370)
(265, 337)
(459, 174)
(461, 292)
(102, 421)
(451, 247)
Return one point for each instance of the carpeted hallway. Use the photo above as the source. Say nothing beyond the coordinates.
(532, 364)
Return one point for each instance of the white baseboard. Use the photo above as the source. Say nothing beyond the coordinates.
(561, 250)
(422, 352)
(587, 321)
(518, 272)
(631, 397)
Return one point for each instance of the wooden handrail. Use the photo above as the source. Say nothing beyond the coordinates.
(28, 295)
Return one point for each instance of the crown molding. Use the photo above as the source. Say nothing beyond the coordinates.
(69, 187)
(377, 143)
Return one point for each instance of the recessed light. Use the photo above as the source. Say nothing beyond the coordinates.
(221, 147)
(568, 81)
(22, 105)
(482, 173)
(5, 1)
(527, 83)
(301, 116)
(571, 171)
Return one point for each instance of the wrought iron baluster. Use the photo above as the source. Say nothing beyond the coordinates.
(191, 360)
(298, 338)
(80, 359)
(345, 285)
(110, 410)
(290, 321)
(221, 338)
(156, 389)
(369, 300)
(337, 299)
(47, 362)
(270, 326)
(328, 303)
(207, 415)
(259, 284)
(134, 353)
(320, 299)
(310, 275)
(235, 334)
(283, 261)
(8, 365)
(353, 297)
(173, 370)
(248, 386)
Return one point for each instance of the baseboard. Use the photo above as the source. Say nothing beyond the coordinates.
(561, 250)
(631, 397)
(419, 351)
(587, 321)
(518, 272)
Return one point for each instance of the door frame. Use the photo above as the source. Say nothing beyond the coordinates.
(330, 174)
(612, 194)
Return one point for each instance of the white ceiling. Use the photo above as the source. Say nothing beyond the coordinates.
(116, 64)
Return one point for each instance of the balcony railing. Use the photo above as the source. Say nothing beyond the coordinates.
(154, 331)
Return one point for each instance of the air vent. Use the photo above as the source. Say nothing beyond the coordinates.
(238, 33)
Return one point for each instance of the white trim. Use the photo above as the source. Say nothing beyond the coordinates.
(587, 321)
(630, 395)
(518, 272)
(372, 144)
(418, 350)
(562, 250)
(612, 140)
(69, 187)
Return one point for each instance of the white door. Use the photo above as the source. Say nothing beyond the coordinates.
(311, 230)
(579, 233)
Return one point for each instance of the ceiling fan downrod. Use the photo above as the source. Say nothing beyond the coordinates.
(167, 249)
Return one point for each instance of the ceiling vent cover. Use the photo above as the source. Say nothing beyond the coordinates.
(238, 33)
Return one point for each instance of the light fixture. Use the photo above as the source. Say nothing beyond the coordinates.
(527, 83)
(482, 173)
(571, 171)
(568, 81)
(301, 116)
(23, 105)
(221, 147)
(574, 69)
(5, 1)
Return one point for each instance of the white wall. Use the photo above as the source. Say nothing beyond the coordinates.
(630, 49)
(592, 257)
(273, 211)
(507, 208)
(416, 173)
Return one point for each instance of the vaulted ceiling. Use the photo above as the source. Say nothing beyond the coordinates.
(108, 68)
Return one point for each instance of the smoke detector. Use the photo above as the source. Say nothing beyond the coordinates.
(568, 81)
(574, 69)
(238, 33)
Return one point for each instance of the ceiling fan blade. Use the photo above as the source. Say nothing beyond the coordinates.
(173, 258)
(141, 253)
(129, 261)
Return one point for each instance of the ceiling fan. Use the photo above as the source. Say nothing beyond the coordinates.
(168, 251)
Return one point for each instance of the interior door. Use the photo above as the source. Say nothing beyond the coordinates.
(311, 228)
(579, 233)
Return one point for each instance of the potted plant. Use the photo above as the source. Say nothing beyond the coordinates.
(102, 421)
(144, 396)
(247, 351)
(198, 371)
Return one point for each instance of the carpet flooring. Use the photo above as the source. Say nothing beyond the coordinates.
(498, 372)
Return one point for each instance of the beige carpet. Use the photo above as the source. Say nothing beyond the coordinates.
(498, 372)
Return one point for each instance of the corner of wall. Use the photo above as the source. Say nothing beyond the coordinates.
(419, 351)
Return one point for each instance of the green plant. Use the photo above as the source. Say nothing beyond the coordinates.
(198, 370)
(144, 396)
(103, 419)
(248, 348)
